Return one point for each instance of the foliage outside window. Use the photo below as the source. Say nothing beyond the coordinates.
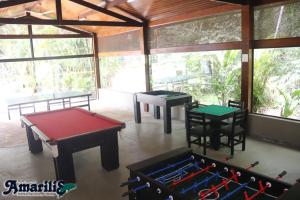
(212, 29)
(276, 86)
(44, 76)
(210, 77)
(19, 48)
(62, 46)
(15, 77)
(27, 78)
(123, 73)
(13, 29)
(44, 29)
(282, 21)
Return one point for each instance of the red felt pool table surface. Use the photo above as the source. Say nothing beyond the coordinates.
(71, 122)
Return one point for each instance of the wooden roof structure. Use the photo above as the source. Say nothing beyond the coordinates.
(98, 16)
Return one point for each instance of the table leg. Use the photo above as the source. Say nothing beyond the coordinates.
(35, 146)
(48, 105)
(167, 119)
(20, 110)
(89, 107)
(110, 152)
(137, 110)
(8, 112)
(156, 112)
(63, 164)
(215, 140)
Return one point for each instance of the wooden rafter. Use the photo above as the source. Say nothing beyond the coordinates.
(67, 22)
(58, 11)
(105, 11)
(9, 3)
(106, 5)
(240, 2)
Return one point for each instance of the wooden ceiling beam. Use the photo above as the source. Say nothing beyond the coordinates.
(66, 22)
(108, 12)
(114, 3)
(107, 5)
(58, 11)
(9, 3)
(239, 2)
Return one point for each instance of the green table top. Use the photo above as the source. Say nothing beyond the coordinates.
(215, 110)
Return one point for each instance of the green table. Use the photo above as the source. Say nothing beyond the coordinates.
(216, 114)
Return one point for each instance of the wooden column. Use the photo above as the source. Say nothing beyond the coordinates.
(247, 53)
(96, 62)
(144, 37)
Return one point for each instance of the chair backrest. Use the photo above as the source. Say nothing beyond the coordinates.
(191, 105)
(240, 118)
(194, 118)
(236, 104)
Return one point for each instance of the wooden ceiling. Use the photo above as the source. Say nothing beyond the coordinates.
(155, 11)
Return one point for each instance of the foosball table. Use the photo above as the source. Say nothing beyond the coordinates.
(183, 175)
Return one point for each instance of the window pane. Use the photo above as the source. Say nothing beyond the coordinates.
(16, 78)
(123, 73)
(210, 77)
(43, 29)
(213, 29)
(276, 85)
(27, 78)
(65, 75)
(122, 42)
(62, 46)
(13, 29)
(19, 48)
(277, 21)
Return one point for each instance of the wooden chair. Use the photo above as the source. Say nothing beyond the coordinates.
(196, 126)
(236, 104)
(236, 131)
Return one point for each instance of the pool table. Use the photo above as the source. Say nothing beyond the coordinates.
(163, 98)
(70, 130)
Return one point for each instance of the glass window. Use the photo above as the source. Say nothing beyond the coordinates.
(281, 21)
(18, 48)
(210, 77)
(276, 86)
(43, 29)
(75, 74)
(122, 42)
(123, 73)
(212, 29)
(16, 77)
(28, 78)
(13, 29)
(62, 46)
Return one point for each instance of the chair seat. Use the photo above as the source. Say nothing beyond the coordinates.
(238, 130)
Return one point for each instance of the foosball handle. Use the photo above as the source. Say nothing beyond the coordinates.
(254, 164)
(137, 179)
(282, 174)
(126, 193)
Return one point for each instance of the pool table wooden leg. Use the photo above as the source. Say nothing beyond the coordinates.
(137, 109)
(167, 119)
(110, 152)
(35, 145)
(156, 112)
(63, 164)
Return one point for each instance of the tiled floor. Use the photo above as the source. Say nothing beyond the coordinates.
(137, 142)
